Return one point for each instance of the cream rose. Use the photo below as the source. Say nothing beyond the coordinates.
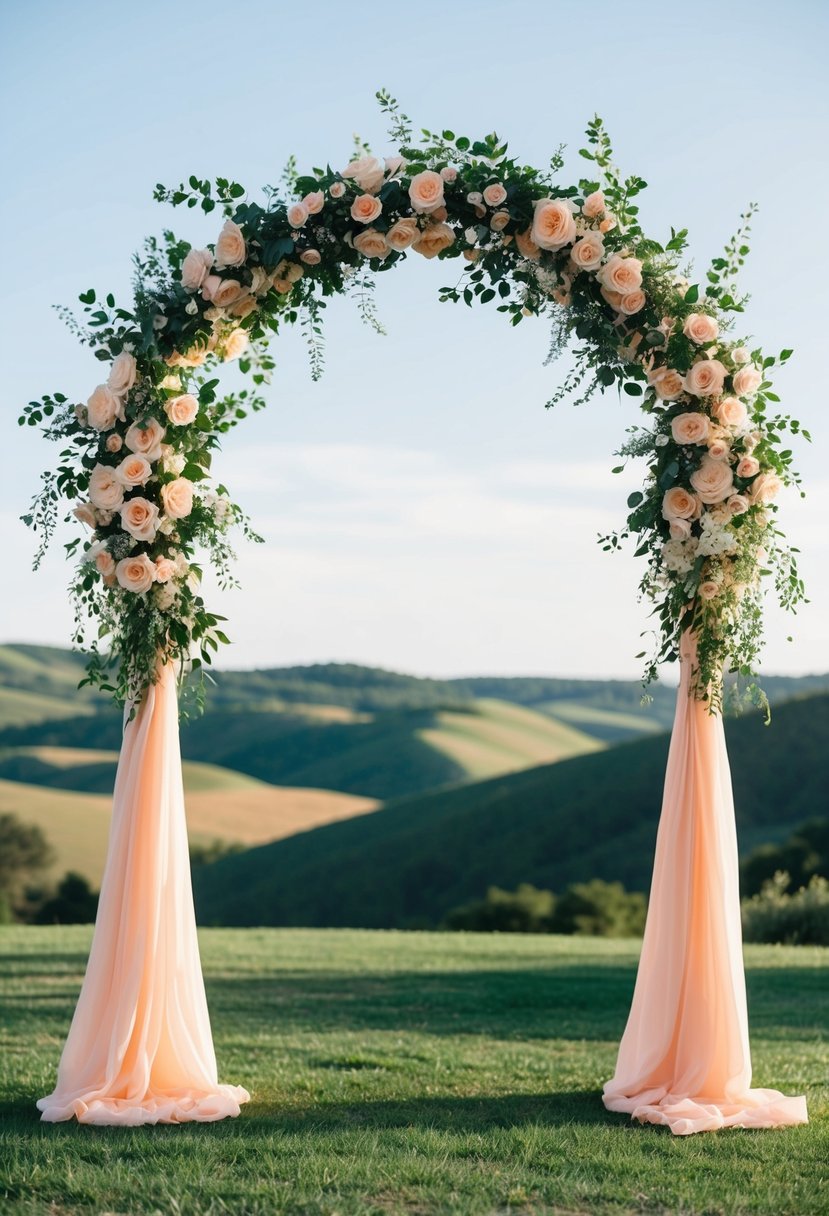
(366, 208)
(679, 503)
(747, 380)
(621, 274)
(553, 224)
(449, 174)
(765, 488)
(145, 438)
(314, 201)
(434, 239)
(700, 328)
(297, 215)
(235, 344)
(182, 410)
(136, 574)
(593, 205)
(719, 449)
(165, 569)
(103, 407)
(709, 590)
(230, 247)
(738, 504)
(749, 466)
(690, 428)
(105, 490)
(588, 251)
(713, 480)
(680, 529)
(705, 379)
(177, 497)
(195, 268)
(396, 164)
(499, 221)
(632, 303)
(731, 412)
(311, 257)
(114, 443)
(122, 373)
(426, 191)
(367, 172)
(105, 563)
(741, 354)
(336, 189)
(133, 471)
(494, 194)
(403, 233)
(139, 517)
(371, 244)
(85, 515)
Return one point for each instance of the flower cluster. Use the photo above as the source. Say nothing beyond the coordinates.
(142, 444)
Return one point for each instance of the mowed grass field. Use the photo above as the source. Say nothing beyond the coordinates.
(413, 1074)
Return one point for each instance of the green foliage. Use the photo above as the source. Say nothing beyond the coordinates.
(74, 903)
(592, 909)
(802, 855)
(206, 854)
(799, 918)
(525, 910)
(24, 854)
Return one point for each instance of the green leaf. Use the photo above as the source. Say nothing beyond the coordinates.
(692, 294)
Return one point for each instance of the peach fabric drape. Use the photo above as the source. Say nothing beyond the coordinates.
(684, 1058)
(140, 1048)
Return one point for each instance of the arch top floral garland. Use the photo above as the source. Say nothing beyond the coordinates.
(136, 466)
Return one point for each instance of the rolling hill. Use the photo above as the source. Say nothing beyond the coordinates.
(590, 816)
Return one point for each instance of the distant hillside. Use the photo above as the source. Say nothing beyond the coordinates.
(592, 816)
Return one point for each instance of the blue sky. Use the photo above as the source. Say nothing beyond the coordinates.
(421, 508)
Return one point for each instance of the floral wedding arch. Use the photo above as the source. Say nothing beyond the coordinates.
(136, 468)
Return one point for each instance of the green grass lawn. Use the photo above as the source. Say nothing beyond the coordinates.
(411, 1073)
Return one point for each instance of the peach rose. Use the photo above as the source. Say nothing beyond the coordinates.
(752, 440)
(139, 517)
(690, 428)
(426, 191)
(621, 274)
(242, 307)
(741, 354)
(471, 255)
(145, 438)
(114, 443)
(748, 466)
(632, 303)
(737, 504)
(165, 569)
(230, 247)
(228, 291)
(709, 590)
(588, 251)
(403, 233)
(311, 257)
(395, 166)
(85, 515)
(136, 574)
(680, 529)
(314, 201)
(177, 497)
(593, 205)
(747, 380)
(235, 344)
(103, 407)
(731, 412)
(679, 503)
(607, 224)
(527, 246)
(494, 194)
(719, 449)
(713, 480)
(449, 174)
(182, 410)
(705, 379)
(700, 328)
(666, 383)
(367, 172)
(336, 189)
(105, 490)
(105, 563)
(195, 268)
(553, 224)
(133, 471)
(765, 488)
(371, 243)
(297, 214)
(434, 239)
(122, 373)
(499, 221)
(366, 208)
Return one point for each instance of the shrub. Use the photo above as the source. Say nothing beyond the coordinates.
(526, 910)
(804, 853)
(596, 908)
(798, 919)
(75, 903)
